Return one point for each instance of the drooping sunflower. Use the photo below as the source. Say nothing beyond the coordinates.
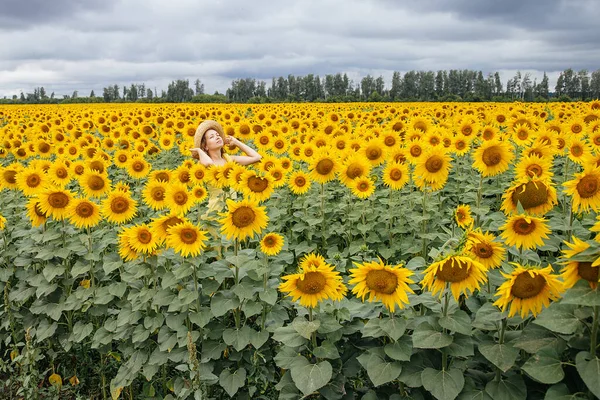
(524, 231)
(161, 225)
(528, 290)
(118, 207)
(585, 189)
(55, 202)
(576, 270)
(35, 214)
(461, 273)
(493, 157)
(313, 284)
(94, 183)
(533, 166)
(271, 244)
(177, 198)
(537, 196)
(462, 216)
(186, 239)
(386, 283)
(154, 194)
(323, 167)
(363, 187)
(395, 175)
(256, 187)
(299, 182)
(8, 176)
(31, 180)
(126, 251)
(84, 213)
(433, 168)
(164, 175)
(243, 219)
(483, 248)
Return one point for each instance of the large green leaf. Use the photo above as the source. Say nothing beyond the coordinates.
(232, 382)
(379, 370)
(458, 322)
(400, 350)
(443, 385)
(544, 367)
(425, 337)
(512, 388)
(81, 331)
(305, 328)
(220, 303)
(288, 336)
(393, 327)
(589, 371)
(311, 377)
(560, 320)
(502, 356)
(238, 338)
(581, 294)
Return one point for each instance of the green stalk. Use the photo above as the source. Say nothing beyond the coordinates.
(322, 217)
(594, 336)
(479, 194)
(313, 335)
(445, 313)
(89, 233)
(196, 288)
(265, 279)
(424, 226)
(500, 341)
(237, 311)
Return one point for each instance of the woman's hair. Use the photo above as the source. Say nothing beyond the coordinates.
(203, 146)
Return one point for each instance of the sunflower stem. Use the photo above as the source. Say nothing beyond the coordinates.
(445, 313)
(196, 288)
(594, 335)
(479, 194)
(322, 217)
(236, 312)
(500, 341)
(89, 234)
(390, 218)
(265, 279)
(313, 336)
(424, 225)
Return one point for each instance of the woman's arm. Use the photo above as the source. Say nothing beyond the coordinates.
(251, 156)
(204, 158)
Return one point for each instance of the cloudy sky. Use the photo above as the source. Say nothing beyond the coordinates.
(67, 45)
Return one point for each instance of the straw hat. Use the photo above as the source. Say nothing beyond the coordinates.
(204, 127)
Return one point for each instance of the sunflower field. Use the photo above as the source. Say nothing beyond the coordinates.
(376, 251)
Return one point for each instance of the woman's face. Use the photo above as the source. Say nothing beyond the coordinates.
(213, 140)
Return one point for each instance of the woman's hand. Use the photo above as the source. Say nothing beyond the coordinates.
(196, 153)
(231, 141)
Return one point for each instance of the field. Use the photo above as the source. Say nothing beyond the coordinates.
(376, 251)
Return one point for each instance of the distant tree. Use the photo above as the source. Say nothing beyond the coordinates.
(92, 94)
(75, 94)
(584, 81)
(199, 87)
(149, 94)
(595, 85)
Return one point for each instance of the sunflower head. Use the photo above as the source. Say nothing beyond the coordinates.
(462, 274)
(271, 244)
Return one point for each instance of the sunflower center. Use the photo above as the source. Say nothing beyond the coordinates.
(354, 170)
(483, 250)
(257, 184)
(389, 141)
(577, 150)
(79, 169)
(137, 166)
(58, 200)
(44, 147)
(62, 173)
(158, 193)
(522, 227)
(279, 144)
(119, 205)
(382, 281)
(97, 165)
(96, 183)
(84, 210)
(587, 272)
(122, 158)
(171, 222)
(324, 167)
(530, 194)
(395, 174)
(434, 164)
(587, 186)
(534, 170)
(576, 128)
(373, 153)
(243, 217)
(415, 151)
(363, 186)
(188, 236)
(467, 130)
(269, 165)
(300, 181)
(264, 140)
(523, 134)
(33, 181)
(269, 241)
(38, 211)
(525, 286)
(313, 282)
(492, 156)
(184, 177)
(453, 271)
(180, 198)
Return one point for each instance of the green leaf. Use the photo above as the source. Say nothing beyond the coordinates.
(458, 322)
(425, 337)
(512, 388)
(232, 382)
(562, 392)
(81, 331)
(305, 328)
(311, 377)
(220, 304)
(379, 370)
(373, 328)
(51, 271)
(327, 350)
(443, 385)
(544, 367)
(257, 339)
(44, 330)
(581, 294)
(111, 261)
(487, 317)
(288, 336)
(589, 371)
(394, 328)
(140, 334)
(534, 338)
(238, 338)
(200, 318)
(502, 356)
(474, 395)
(287, 357)
(560, 321)
(269, 296)
(400, 350)
(462, 346)
(212, 350)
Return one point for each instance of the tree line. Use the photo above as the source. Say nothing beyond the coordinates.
(443, 85)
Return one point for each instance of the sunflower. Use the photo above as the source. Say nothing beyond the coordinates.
(8, 176)
(199, 192)
(31, 180)
(522, 134)
(576, 270)
(243, 219)
(528, 290)
(178, 198)
(585, 189)
(379, 281)
(374, 152)
(154, 194)
(55, 201)
(235, 177)
(142, 239)
(279, 176)
(59, 173)
(462, 216)
(493, 157)
(161, 225)
(2, 222)
(579, 150)
(433, 168)
(299, 182)
(414, 151)
(489, 133)
(256, 187)
(363, 187)
(483, 248)
(94, 183)
(35, 214)
(524, 231)
(118, 207)
(271, 244)
(537, 196)
(355, 166)
(462, 273)
(323, 167)
(126, 251)
(197, 173)
(533, 166)
(84, 213)
(138, 168)
(186, 239)
(314, 284)
(395, 175)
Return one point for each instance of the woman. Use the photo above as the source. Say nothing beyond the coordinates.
(208, 146)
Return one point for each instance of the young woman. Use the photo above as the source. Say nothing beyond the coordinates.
(208, 146)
